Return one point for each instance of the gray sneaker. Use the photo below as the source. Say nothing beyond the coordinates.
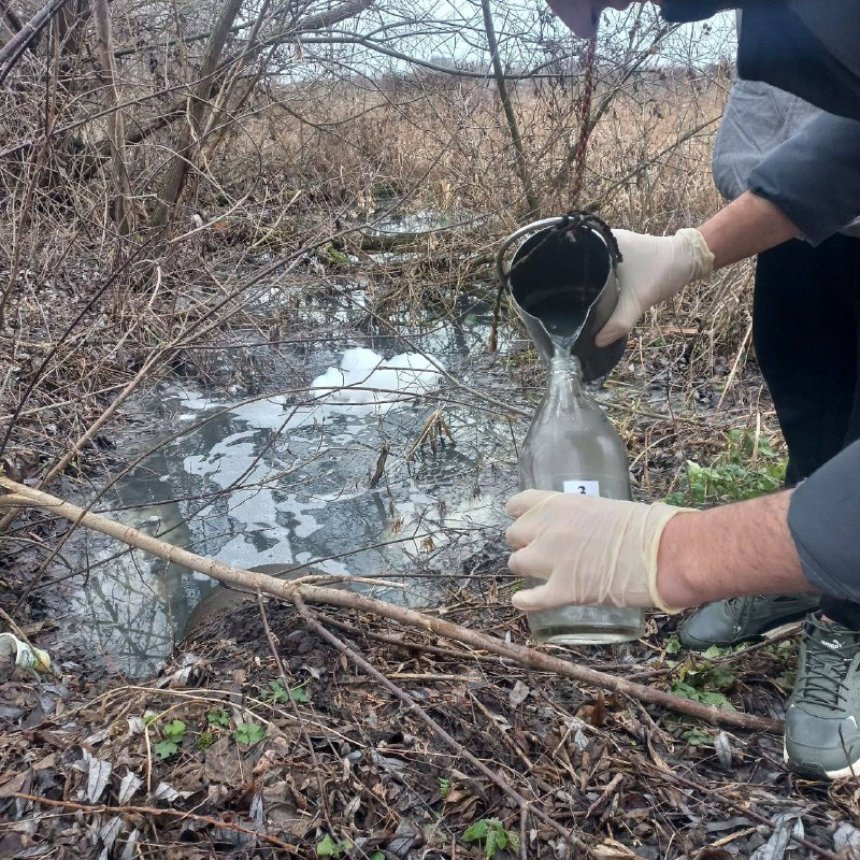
(822, 739)
(738, 619)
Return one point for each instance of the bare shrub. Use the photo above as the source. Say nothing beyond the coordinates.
(159, 162)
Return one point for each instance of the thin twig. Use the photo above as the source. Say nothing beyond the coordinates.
(314, 624)
(156, 812)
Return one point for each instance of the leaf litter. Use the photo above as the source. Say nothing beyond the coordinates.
(323, 761)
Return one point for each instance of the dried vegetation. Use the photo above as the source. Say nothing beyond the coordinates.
(163, 165)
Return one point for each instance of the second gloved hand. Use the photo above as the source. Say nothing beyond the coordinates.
(653, 269)
(589, 550)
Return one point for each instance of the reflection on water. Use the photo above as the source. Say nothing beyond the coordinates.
(285, 478)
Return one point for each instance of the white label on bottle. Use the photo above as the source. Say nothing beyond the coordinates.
(582, 488)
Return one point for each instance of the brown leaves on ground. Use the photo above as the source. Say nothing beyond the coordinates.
(324, 762)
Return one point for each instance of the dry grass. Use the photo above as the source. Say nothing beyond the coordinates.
(292, 178)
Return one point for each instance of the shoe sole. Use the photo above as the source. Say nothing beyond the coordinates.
(817, 772)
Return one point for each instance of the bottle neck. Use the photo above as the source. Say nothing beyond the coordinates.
(566, 367)
(564, 391)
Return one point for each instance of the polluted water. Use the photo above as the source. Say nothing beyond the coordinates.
(379, 465)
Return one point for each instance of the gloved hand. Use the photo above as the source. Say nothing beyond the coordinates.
(589, 550)
(653, 269)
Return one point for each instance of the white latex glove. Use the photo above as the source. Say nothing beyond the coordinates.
(653, 269)
(589, 550)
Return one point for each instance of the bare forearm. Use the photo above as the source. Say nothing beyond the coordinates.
(745, 227)
(731, 551)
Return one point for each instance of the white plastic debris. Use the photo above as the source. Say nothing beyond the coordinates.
(723, 746)
(98, 773)
(26, 656)
(109, 832)
(847, 839)
(129, 852)
(131, 782)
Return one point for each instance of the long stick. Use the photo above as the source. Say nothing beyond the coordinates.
(24, 497)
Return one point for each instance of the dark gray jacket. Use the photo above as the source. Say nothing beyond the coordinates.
(758, 119)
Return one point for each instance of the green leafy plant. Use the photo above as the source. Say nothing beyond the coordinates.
(444, 786)
(206, 739)
(218, 718)
(248, 733)
(173, 732)
(697, 737)
(706, 697)
(277, 691)
(748, 467)
(672, 645)
(329, 847)
(785, 653)
(701, 680)
(491, 833)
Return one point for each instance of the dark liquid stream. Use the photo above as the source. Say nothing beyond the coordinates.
(562, 322)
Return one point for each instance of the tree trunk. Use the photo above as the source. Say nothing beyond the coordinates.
(520, 162)
(185, 154)
(122, 212)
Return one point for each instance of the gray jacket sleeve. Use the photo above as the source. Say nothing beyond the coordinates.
(824, 519)
(757, 120)
(814, 177)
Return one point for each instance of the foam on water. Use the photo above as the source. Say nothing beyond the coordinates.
(365, 383)
(285, 478)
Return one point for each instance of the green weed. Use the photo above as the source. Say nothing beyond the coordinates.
(491, 833)
(174, 733)
(746, 469)
(218, 718)
(278, 692)
(248, 733)
(206, 739)
(328, 847)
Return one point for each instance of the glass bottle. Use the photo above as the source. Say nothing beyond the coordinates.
(572, 447)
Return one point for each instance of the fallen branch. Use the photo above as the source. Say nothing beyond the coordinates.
(20, 496)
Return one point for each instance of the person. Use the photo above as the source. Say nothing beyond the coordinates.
(805, 321)
(803, 540)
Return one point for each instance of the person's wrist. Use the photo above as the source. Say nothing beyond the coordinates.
(675, 565)
(701, 258)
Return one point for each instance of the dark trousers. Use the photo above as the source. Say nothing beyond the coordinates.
(806, 331)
